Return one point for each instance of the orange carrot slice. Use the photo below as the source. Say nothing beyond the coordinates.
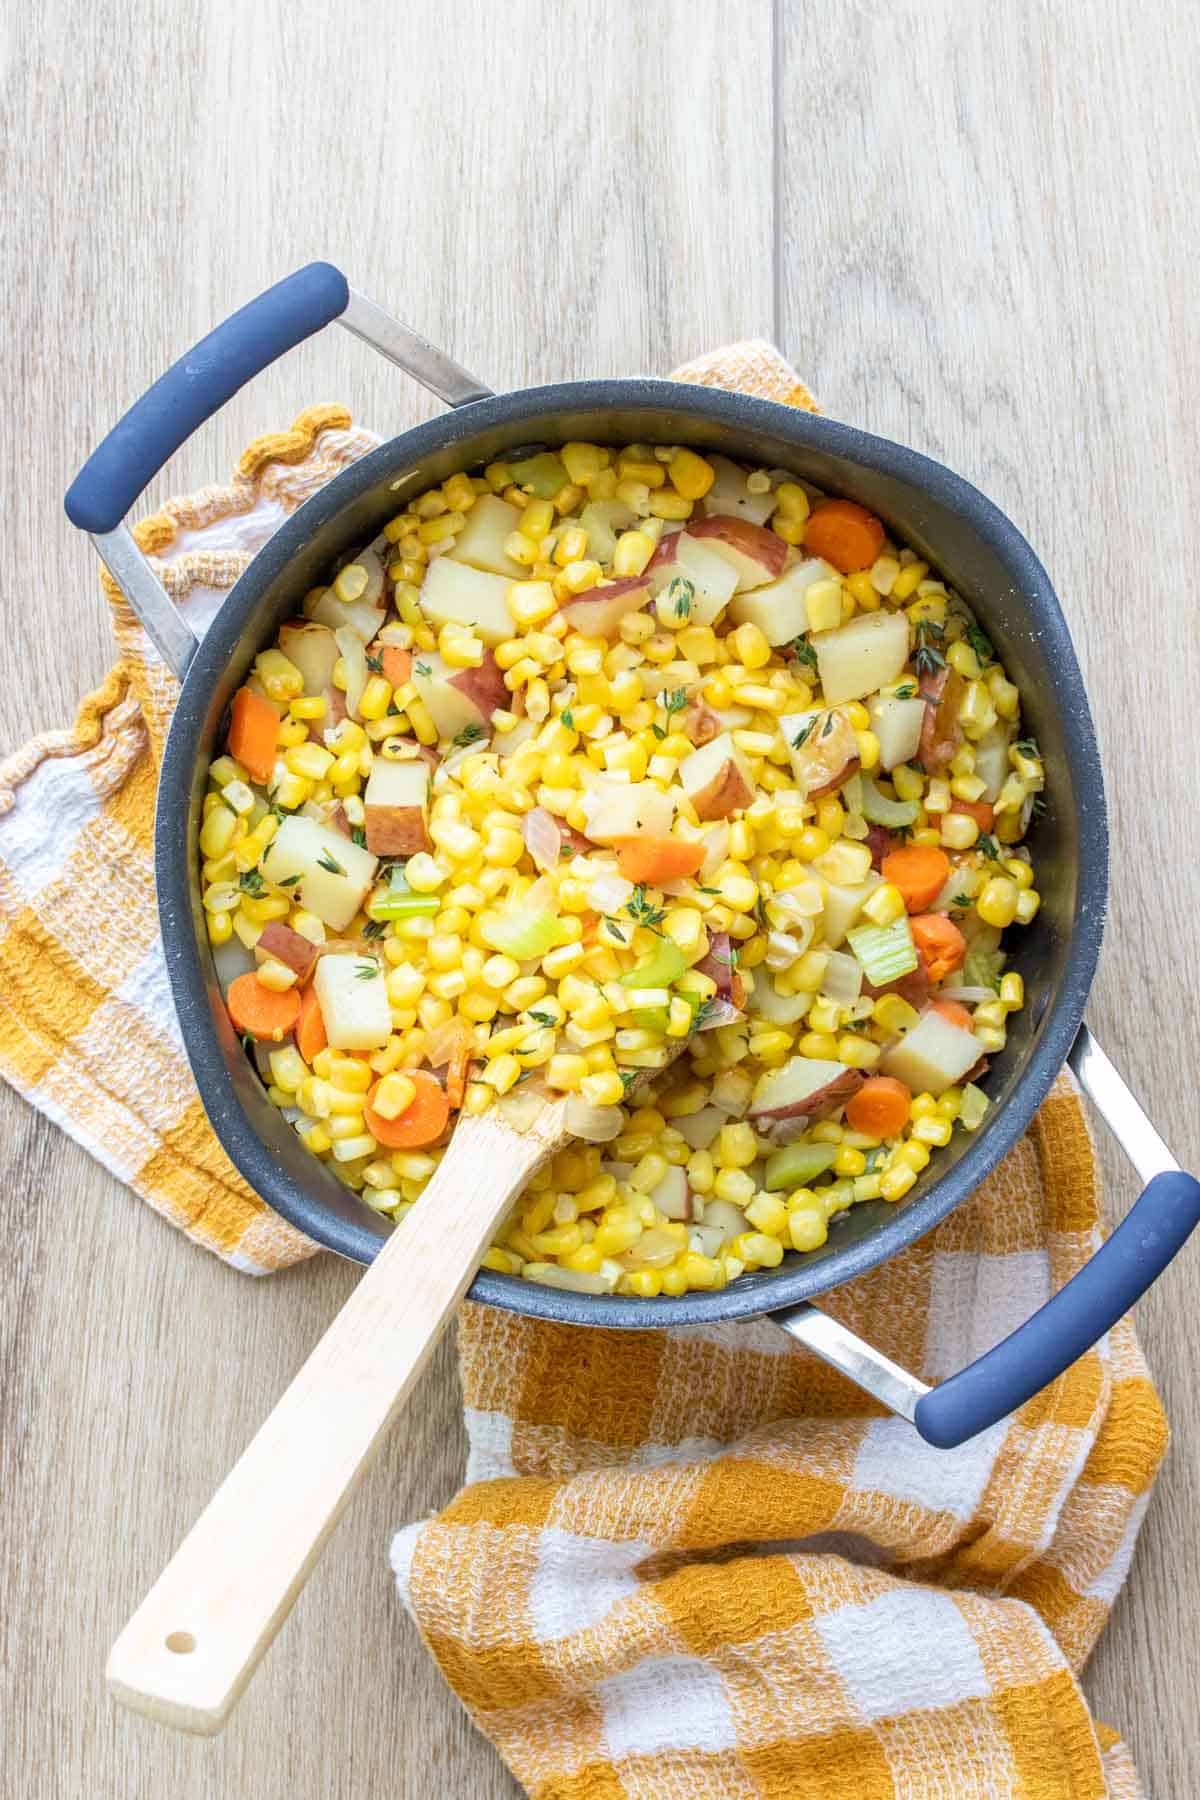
(880, 1107)
(846, 535)
(940, 945)
(920, 871)
(310, 1026)
(253, 733)
(657, 859)
(423, 1120)
(266, 1015)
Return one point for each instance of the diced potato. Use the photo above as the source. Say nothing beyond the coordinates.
(599, 611)
(481, 541)
(729, 494)
(991, 762)
(787, 1100)
(778, 609)
(365, 615)
(858, 658)
(395, 808)
(823, 747)
(842, 907)
(700, 1128)
(617, 809)
(672, 1195)
(352, 994)
(713, 580)
(755, 553)
(314, 651)
(897, 724)
(453, 593)
(717, 778)
(459, 698)
(932, 1056)
(334, 873)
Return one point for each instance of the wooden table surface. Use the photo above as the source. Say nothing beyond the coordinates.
(972, 228)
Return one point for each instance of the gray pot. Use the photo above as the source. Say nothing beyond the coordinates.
(926, 506)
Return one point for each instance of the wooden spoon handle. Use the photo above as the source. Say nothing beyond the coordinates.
(199, 1634)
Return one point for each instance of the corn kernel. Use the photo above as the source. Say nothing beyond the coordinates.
(997, 903)
(895, 1183)
(885, 905)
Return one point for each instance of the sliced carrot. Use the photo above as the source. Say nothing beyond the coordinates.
(253, 733)
(422, 1121)
(940, 945)
(979, 810)
(955, 1013)
(846, 535)
(880, 1107)
(266, 1015)
(310, 1026)
(920, 871)
(657, 859)
(397, 664)
(456, 1077)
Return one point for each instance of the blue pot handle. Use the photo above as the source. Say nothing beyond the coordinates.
(1090, 1304)
(1155, 1229)
(196, 387)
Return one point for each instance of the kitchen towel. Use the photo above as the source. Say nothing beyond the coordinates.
(696, 1562)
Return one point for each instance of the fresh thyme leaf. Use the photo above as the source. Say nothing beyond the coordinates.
(422, 668)
(1028, 747)
(1038, 807)
(874, 1158)
(641, 910)
(248, 1042)
(375, 664)
(615, 930)
(568, 718)
(731, 960)
(374, 928)
(366, 971)
(658, 731)
(829, 724)
(288, 881)
(278, 812)
(680, 594)
(906, 691)
(805, 732)
(803, 652)
(358, 836)
(760, 913)
(994, 980)
(980, 643)
(708, 890)
(250, 881)
(675, 702)
(990, 848)
(543, 1018)
(961, 902)
(467, 735)
(859, 1025)
(330, 863)
(629, 1076)
(928, 658)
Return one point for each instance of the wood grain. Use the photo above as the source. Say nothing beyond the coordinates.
(993, 263)
(982, 228)
(545, 203)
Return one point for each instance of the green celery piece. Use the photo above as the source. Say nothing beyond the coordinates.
(879, 810)
(981, 968)
(401, 903)
(665, 966)
(885, 951)
(650, 1018)
(796, 1165)
(543, 473)
(523, 933)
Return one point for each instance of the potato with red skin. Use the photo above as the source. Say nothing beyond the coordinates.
(700, 724)
(291, 948)
(823, 747)
(483, 686)
(788, 1100)
(394, 808)
(313, 650)
(717, 779)
(757, 554)
(599, 611)
(943, 691)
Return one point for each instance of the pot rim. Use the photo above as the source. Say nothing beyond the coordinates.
(763, 1290)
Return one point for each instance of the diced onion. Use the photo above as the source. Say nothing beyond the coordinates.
(842, 980)
(716, 850)
(446, 1042)
(450, 763)
(971, 996)
(543, 839)
(609, 893)
(720, 1012)
(354, 655)
(785, 947)
(521, 1109)
(594, 1124)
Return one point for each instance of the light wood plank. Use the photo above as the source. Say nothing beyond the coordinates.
(544, 202)
(987, 229)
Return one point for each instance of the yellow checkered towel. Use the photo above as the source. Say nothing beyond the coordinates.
(694, 1562)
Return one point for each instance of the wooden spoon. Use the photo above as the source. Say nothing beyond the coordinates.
(200, 1633)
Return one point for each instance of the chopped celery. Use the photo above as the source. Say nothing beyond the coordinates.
(798, 1164)
(650, 1018)
(522, 932)
(981, 967)
(665, 966)
(885, 951)
(544, 474)
(972, 1107)
(881, 811)
(401, 903)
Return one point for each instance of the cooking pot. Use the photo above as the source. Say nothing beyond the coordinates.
(945, 520)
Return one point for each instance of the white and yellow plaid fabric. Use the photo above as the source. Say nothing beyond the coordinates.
(689, 1563)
